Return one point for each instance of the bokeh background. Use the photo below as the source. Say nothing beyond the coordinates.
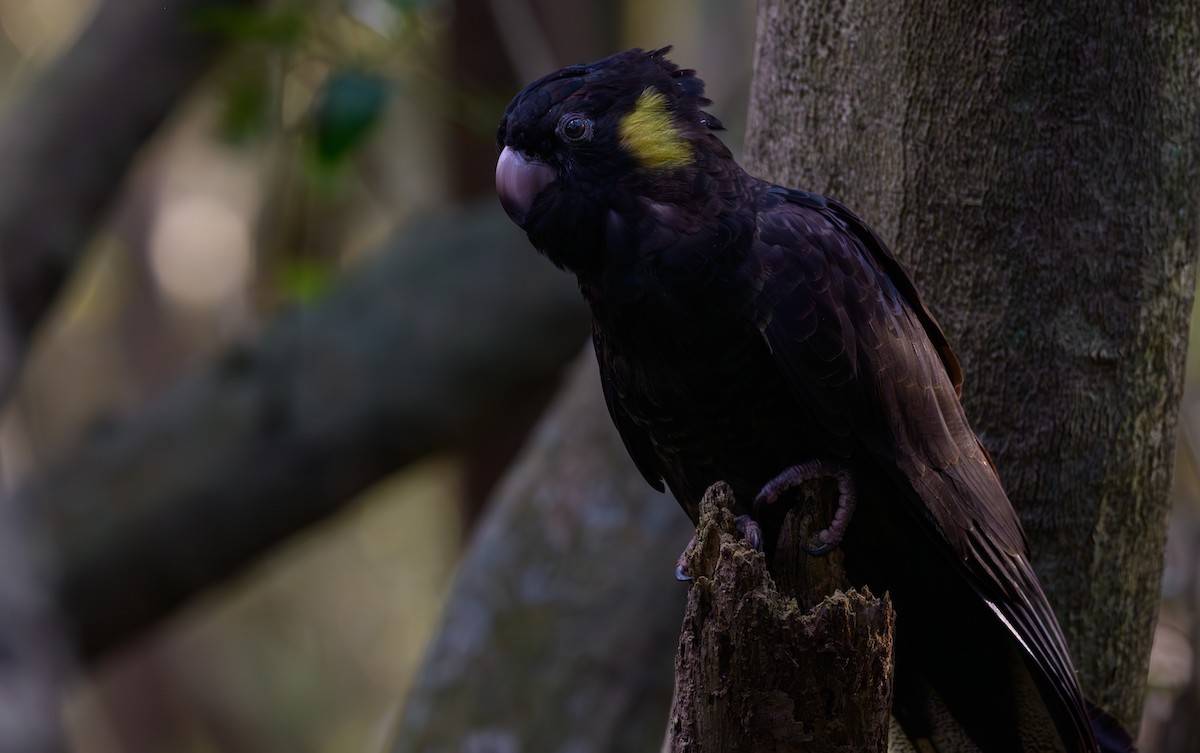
(326, 127)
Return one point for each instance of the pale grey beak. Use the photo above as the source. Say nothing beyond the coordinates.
(518, 182)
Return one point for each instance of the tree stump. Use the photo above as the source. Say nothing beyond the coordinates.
(769, 669)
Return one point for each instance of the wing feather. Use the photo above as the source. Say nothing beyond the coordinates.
(853, 336)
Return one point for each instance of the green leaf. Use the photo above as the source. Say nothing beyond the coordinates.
(345, 111)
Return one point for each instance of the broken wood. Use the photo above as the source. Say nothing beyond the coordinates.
(803, 665)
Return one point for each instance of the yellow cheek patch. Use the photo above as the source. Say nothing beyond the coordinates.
(649, 134)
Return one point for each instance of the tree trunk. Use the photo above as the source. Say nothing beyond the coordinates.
(764, 669)
(1037, 167)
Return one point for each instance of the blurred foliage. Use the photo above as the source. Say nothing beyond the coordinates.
(244, 110)
(305, 281)
(281, 26)
(331, 56)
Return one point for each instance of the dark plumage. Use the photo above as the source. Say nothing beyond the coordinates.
(743, 329)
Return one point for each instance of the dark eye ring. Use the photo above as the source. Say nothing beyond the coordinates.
(575, 128)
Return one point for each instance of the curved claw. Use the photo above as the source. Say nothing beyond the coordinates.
(750, 531)
(681, 564)
(819, 551)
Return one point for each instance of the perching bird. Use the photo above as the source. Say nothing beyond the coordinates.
(764, 336)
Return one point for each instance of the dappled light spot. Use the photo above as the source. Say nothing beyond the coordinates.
(200, 252)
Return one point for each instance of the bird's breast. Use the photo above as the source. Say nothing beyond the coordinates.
(705, 390)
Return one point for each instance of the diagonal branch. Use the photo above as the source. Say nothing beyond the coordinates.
(444, 336)
(68, 140)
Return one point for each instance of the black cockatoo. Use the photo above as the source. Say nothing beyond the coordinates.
(763, 336)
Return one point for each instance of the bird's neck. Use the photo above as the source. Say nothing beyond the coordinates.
(667, 245)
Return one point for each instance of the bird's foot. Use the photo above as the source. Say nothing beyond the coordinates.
(796, 475)
(745, 525)
(750, 531)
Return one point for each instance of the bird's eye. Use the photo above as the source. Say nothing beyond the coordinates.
(575, 128)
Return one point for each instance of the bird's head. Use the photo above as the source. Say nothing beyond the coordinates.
(577, 143)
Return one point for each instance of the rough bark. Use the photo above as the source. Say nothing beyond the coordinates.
(441, 338)
(559, 626)
(1037, 166)
(757, 671)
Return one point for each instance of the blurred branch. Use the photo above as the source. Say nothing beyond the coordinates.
(33, 651)
(68, 139)
(440, 338)
(65, 143)
(560, 626)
